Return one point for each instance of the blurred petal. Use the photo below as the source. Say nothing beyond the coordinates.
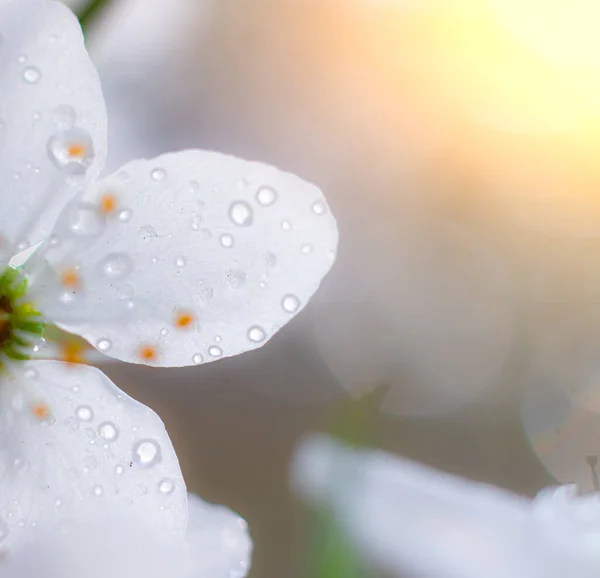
(52, 116)
(412, 519)
(69, 438)
(187, 258)
(219, 543)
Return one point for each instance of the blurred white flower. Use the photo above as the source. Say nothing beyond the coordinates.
(216, 545)
(414, 520)
(185, 259)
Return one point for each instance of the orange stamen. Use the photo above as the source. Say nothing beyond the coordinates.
(40, 410)
(76, 150)
(184, 319)
(108, 203)
(148, 353)
(73, 351)
(70, 278)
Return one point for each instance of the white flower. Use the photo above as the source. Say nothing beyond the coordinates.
(216, 545)
(176, 261)
(414, 520)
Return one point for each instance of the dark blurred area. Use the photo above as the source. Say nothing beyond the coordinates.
(460, 164)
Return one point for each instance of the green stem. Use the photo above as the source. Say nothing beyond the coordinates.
(90, 12)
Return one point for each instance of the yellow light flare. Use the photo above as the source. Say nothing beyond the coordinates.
(561, 31)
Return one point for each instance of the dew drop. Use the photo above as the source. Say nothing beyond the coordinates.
(227, 240)
(164, 332)
(84, 413)
(256, 334)
(125, 215)
(4, 529)
(32, 75)
(146, 453)
(318, 208)
(119, 470)
(83, 220)
(306, 249)
(235, 278)
(158, 175)
(71, 150)
(266, 196)
(116, 266)
(241, 214)
(197, 358)
(215, 351)
(31, 374)
(180, 261)
(286, 225)
(108, 431)
(290, 303)
(98, 490)
(166, 486)
(104, 344)
(64, 116)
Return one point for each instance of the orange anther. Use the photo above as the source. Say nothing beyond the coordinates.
(108, 203)
(40, 410)
(73, 351)
(184, 319)
(76, 150)
(148, 353)
(70, 277)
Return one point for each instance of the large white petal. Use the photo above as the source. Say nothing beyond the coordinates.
(218, 539)
(51, 101)
(233, 248)
(417, 521)
(71, 440)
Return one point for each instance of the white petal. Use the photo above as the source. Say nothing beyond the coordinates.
(51, 99)
(412, 519)
(239, 247)
(218, 539)
(70, 438)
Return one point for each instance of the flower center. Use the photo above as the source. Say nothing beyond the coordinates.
(21, 325)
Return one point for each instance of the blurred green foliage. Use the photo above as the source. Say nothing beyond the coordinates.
(90, 12)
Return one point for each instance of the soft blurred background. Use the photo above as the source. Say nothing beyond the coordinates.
(456, 142)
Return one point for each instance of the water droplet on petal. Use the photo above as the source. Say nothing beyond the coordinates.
(318, 208)
(227, 240)
(119, 470)
(180, 261)
(286, 225)
(71, 151)
(104, 344)
(84, 413)
(290, 303)
(64, 116)
(197, 358)
(235, 278)
(148, 232)
(241, 214)
(98, 490)
(83, 220)
(116, 266)
(125, 215)
(166, 486)
(158, 175)
(215, 351)
(256, 334)
(266, 196)
(306, 249)
(146, 453)
(31, 374)
(108, 431)
(32, 75)
(4, 529)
